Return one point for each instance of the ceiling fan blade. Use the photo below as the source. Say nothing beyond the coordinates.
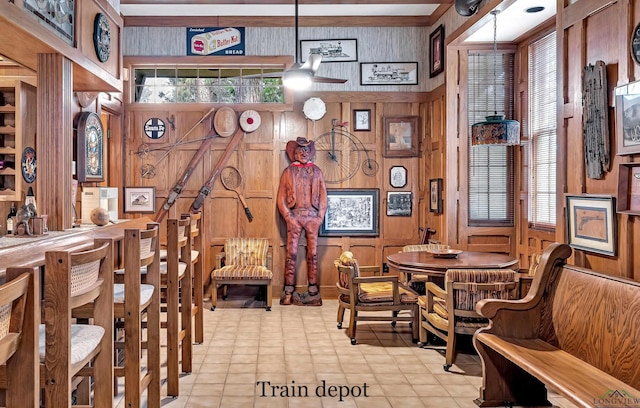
(314, 61)
(326, 80)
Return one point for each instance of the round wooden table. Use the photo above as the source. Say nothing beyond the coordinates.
(426, 264)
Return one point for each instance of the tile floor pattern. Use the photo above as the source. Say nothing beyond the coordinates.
(300, 348)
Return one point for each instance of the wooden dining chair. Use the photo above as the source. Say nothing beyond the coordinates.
(452, 311)
(360, 294)
(70, 350)
(18, 329)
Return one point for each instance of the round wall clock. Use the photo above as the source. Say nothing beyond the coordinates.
(102, 37)
(28, 164)
(635, 44)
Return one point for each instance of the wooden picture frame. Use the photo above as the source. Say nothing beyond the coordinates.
(341, 50)
(140, 199)
(351, 212)
(627, 111)
(436, 51)
(435, 195)
(401, 136)
(398, 176)
(388, 73)
(399, 203)
(628, 199)
(361, 120)
(591, 223)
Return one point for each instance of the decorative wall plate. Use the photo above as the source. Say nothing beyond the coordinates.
(314, 108)
(28, 164)
(102, 37)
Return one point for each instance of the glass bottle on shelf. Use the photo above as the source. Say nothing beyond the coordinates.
(10, 218)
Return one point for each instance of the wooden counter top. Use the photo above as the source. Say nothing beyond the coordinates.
(29, 251)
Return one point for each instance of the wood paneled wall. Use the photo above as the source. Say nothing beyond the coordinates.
(261, 158)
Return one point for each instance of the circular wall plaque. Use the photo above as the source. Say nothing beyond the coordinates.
(154, 128)
(314, 108)
(28, 164)
(225, 121)
(102, 37)
(635, 44)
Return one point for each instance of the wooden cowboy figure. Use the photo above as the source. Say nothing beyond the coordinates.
(302, 202)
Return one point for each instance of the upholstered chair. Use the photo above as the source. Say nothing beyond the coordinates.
(452, 310)
(245, 261)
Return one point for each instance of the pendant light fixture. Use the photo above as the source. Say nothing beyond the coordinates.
(495, 129)
(297, 79)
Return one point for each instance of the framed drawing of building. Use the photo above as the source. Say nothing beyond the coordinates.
(351, 212)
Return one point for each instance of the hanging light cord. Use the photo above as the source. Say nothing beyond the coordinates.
(495, 59)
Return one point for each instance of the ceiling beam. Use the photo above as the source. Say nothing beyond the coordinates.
(252, 21)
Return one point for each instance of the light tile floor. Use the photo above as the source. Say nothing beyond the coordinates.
(292, 356)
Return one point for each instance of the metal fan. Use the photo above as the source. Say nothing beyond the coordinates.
(300, 75)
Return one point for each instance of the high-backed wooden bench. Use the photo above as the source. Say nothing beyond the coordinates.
(576, 332)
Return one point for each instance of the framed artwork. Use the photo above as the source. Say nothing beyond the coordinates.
(398, 176)
(591, 223)
(436, 51)
(628, 199)
(90, 148)
(627, 110)
(351, 212)
(388, 73)
(401, 136)
(59, 16)
(399, 203)
(361, 120)
(331, 50)
(435, 195)
(140, 199)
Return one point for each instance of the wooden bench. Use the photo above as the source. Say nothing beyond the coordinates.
(576, 332)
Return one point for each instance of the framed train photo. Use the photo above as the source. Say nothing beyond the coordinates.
(331, 50)
(388, 73)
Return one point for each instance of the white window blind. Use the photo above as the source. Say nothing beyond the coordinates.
(491, 191)
(542, 126)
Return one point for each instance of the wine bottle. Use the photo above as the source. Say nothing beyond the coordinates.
(10, 216)
(6, 164)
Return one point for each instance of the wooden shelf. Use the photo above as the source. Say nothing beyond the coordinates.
(628, 200)
(7, 130)
(7, 108)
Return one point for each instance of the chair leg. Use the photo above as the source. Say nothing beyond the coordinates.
(214, 294)
(352, 326)
(415, 325)
(450, 354)
(340, 318)
(198, 294)
(186, 344)
(269, 296)
(173, 329)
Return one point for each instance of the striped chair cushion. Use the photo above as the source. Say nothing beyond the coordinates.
(84, 340)
(145, 293)
(246, 251)
(467, 299)
(242, 272)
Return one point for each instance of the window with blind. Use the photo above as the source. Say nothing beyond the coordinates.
(541, 130)
(491, 175)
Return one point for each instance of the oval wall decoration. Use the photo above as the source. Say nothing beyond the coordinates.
(28, 164)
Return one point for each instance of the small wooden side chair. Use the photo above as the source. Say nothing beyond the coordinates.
(71, 280)
(18, 354)
(360, 294)
(452, 310)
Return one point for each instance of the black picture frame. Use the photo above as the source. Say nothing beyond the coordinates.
(398, 176)
(388, 73)
(399, 203)
(627, 102)
(436, 51)
(351, 212)
(361, 120)
(338, 50)
(435, 195)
